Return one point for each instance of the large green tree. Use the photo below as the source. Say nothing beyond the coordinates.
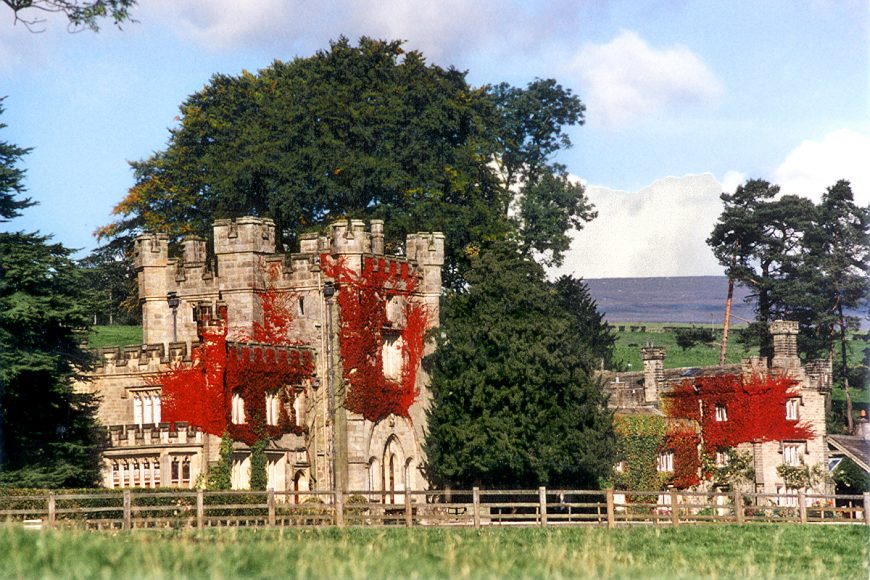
(366, 131)
(759, 240)
(48, 433)
(516, 400)
(11, 178)
(839, 258)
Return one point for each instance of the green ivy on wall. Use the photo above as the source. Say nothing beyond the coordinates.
(639, 440)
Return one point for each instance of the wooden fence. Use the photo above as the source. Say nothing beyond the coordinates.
(132, 509)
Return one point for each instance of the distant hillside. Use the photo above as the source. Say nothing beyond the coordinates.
(689, 299)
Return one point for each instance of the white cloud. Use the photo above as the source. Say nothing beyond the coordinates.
(813, 166)
(732, 180)
(626, 79)
(660, 230)
(443, 31)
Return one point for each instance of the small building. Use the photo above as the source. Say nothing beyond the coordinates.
(781, 431)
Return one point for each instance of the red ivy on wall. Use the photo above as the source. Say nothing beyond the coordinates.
(362, 300)
(684, 444)
(751, 409)
(197, 393)
(201, 394)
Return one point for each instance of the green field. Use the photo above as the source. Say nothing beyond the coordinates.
(764, 551)
(628, 345)
(102, 336)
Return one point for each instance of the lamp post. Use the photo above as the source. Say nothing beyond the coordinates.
(173, 300)
(329, 293)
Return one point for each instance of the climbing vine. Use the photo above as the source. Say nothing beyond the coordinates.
(730, 410)
(639, 440)
(705, 416)
(201, 394)
(362, 300)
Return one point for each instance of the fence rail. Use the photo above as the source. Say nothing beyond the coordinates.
(132, 509)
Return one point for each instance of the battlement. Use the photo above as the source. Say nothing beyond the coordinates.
(151, 250)
(141, 358)
(244, 234)
(820, 375)
(132, 435)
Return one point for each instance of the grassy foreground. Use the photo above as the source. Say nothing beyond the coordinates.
(765, 551)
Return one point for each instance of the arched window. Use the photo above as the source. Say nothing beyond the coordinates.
(238, 409)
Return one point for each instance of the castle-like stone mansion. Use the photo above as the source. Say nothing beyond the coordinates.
(330, 444)
(325, 439)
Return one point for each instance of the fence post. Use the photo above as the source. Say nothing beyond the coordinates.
(867, 507)
(128, 512)
(338, 504)
(542, 500)
(802, 505)
(200, 509)
(51, 510)
(675, 508)
(409, 517)
(475, 500)
(270, 503)
(611, 515)
(738, 506)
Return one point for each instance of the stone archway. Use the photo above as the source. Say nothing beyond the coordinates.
(393, 472)
(393, 437)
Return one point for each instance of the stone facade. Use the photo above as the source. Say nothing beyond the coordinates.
(145, 451)
(642, 393)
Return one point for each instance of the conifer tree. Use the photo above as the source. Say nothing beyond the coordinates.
(516, 402)
(839, 258)
(48, 434)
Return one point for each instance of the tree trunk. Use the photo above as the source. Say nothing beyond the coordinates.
(844, 354)
(725, 325)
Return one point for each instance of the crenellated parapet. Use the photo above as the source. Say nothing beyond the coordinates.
(820, 375)
(245, 263)
(162, 434)
(141, 358)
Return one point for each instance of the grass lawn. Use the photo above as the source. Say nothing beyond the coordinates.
(114, 336)
(765, 551)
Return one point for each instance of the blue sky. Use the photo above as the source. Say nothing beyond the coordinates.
(684, 99)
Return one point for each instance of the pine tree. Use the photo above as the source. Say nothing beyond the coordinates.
(516, 402)
(48, 433)
(839, 258)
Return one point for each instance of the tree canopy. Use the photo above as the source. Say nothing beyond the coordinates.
(516, 401)
(48, 434)
(368, 131)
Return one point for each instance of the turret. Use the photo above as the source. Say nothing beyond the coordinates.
(150, 258)
(241, 247)
(427, 249)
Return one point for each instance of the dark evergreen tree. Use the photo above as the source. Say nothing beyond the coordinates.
(587, 321)
(110, 281)
(839, 259)
(48, 433)
(516, 400)
(759, 241)
(11, 178)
